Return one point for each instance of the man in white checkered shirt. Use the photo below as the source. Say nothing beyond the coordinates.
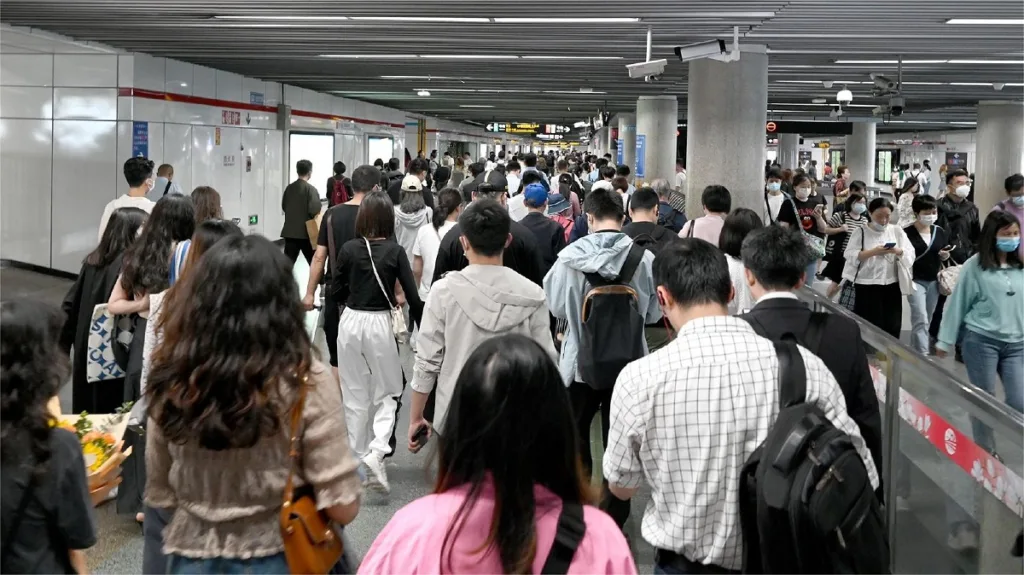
(687, 417)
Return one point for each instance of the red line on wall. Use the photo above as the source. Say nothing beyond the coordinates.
(215, 103)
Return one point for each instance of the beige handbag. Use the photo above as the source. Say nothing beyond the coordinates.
(948, 277)
(398, 326)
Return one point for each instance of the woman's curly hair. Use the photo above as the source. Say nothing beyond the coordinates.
(32, 370)
(234, 340)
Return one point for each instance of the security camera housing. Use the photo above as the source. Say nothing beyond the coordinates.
(896, 105)
(700, 50)
(644, 69)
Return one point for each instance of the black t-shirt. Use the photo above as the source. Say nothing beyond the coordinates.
(805, 209)
(549, 234)
(359, 289)
(343, 222)
(58, 516)
(523, 255)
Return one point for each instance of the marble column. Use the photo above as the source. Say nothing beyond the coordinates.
(627, 136)
(860, 152)
(655, 148)
(789, 151)
(1000, 151)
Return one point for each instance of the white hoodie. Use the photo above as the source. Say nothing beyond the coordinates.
(408, 225)
(464, 309)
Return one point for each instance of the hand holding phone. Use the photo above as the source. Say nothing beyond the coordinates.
(889, 245)
(419, 437)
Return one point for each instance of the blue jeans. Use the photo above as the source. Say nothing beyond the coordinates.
(922, 306)
(988, 359)
(812, 270)
(273, 564)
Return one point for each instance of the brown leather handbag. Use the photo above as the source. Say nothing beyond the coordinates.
(311, 545)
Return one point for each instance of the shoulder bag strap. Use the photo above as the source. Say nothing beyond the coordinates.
(792, 374)
(333, 255)
(168, 188)
(768, 207)
(568, 536)
(693, 224)
(19, 514)
(293, 448)
(376, 275)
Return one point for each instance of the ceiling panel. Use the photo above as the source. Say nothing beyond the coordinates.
(556, 71)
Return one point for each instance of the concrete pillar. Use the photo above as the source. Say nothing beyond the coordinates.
(725, 129)
(860, 152)
(607, 142)
(627, 135)
(789, 151)
(1000, 151)
(656, 120)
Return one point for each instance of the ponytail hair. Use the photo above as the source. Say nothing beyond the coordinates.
(448, 200)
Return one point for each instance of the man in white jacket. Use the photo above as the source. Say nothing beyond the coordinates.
(467, 307)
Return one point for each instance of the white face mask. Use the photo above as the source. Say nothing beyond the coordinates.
(802, 194)
(876, 226)
(928, 219)
(963, 191)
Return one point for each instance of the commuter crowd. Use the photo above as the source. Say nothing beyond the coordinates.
(536, 292)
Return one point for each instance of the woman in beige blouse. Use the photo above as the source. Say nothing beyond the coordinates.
(234, 355)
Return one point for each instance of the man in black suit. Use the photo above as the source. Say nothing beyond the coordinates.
(775, 259)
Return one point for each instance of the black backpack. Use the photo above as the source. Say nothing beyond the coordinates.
(806, 502)
(612, 328)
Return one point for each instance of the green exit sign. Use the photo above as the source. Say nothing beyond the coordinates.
(253, 220)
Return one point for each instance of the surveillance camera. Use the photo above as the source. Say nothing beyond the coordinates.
(654, 78)
(643, 69)
(844, 96)
(828, 84)
(896, 105)
(883, 83)
(700, 50)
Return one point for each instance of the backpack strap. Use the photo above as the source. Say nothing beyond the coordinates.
(792, 374)
(333, 255)
(815, 329)
(633, 259)
(568, 535)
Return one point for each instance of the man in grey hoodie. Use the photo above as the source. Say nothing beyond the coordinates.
(466, 307)
(602, 251)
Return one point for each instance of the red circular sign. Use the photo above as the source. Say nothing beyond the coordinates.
(770, 126)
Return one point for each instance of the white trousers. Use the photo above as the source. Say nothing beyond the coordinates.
(371, 379)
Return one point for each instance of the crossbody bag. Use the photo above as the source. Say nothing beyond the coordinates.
(398, 327)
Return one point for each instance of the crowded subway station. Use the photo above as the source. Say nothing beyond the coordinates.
(667, 286)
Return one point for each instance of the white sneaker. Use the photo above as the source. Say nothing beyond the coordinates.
(378, 475)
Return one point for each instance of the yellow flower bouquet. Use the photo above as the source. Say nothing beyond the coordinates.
(101, 447)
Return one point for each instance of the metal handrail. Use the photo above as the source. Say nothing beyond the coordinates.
(953, 382)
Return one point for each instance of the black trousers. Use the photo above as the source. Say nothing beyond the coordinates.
(293, 246)
(882, 305)
(332, 315)
(586, 402)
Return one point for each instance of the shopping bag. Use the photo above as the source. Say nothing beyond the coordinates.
(105, 332)
(847, 295)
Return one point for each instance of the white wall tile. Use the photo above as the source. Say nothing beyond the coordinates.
(147, 110)
(26, 70)
(273, 217)
(250, 85)
(25, 170)
(85, 103)
(126, 71)
(149, 72)
(293, 96)
(178, 78)
(156, 145)
(273, 93)
(204, 82)
(204, 153)
(227, 178)
(178, 153)
(84, 151)
(85, 71)
(26, 102)
(229, 87)
(252, 161)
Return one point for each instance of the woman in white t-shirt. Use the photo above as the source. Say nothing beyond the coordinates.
(428, 238)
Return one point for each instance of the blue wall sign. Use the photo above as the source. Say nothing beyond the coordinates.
(641, 153)
(256, 98)
(619, 152)
(140, 139)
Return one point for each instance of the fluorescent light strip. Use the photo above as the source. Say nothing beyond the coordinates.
(476, 106)
(290, 18)
(986, 21)
(885, 62)
(446, 89)
(441, 19)
(970, 83)
(421, 78)
(370, 56)
(566, 20)
(835, 82)
(989, 62)
(469, 56)
(575, 92)
(571, 57)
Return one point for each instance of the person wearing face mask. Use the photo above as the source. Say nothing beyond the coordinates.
(775, 200)
(959, 216)
(931, 246)
(842, 186)
(843, 221)
(987, 308)
(873, 256)
(1014, 203)
(906, 194)
(138, 172)
(812, 212)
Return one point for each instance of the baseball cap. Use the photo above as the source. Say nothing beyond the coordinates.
(557, 204)
(493, 181)
(411, 184)
(535, 195)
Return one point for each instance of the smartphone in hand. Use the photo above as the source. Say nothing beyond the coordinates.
(889, 245)
(420, 437)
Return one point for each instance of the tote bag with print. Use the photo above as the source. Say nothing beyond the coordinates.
(105, 332)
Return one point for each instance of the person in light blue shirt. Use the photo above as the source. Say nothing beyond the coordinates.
(988, 306)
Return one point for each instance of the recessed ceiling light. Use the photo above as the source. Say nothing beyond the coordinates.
(986, 21)
(887, 62)
(370, 56)
(279, 17)
(423, 93)
(475, 106)
(184, 84)
(819, 101)
(537, 20)
(442, 19)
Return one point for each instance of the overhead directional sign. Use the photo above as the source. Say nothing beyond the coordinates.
(527, 128)
(550, 136)
(556, 129)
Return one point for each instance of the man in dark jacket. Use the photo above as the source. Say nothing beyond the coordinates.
(959, 217)
(418, 168)
(774, 260)
(550, 236)
(522, 254)
(391, 174)
(300, 202)
(647, 233)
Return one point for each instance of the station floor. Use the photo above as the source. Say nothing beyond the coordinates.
(119, 549)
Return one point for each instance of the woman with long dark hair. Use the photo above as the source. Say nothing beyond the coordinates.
(95, 282)
(428, 238)
(147, 270)
(370, 369)
(508, 462)
(849, 215)
(904, 201)
(234, 362)
(47, 513)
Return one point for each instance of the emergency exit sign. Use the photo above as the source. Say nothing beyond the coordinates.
(253, 220)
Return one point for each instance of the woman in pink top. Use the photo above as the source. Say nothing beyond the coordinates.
(717, 202)
(507, 462)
